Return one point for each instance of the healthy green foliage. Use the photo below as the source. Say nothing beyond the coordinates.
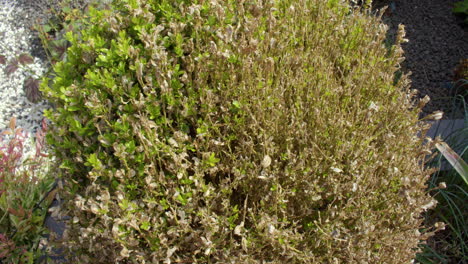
(237, 132)
(65, 15)
(461, 8)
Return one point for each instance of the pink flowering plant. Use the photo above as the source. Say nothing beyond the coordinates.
(25, 195)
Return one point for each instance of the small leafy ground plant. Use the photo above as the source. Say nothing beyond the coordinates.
(461, 8)
(25, 186)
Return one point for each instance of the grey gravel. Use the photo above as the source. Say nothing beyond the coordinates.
(17, 37)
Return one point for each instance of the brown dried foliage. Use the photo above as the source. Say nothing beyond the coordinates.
(282, 137)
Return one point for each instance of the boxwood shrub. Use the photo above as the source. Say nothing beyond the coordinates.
(237, 132)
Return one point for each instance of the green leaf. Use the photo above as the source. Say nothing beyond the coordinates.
(66, 165)
(115, 184)
(182, 199)
(145, 225)
(66, 9)
(461, 7)
(124, 204)
(458, 163)
(46, 28)
(212, 160)
(93, 161)
(73, 108)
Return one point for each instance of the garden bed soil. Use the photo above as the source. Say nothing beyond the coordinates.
(438, 41)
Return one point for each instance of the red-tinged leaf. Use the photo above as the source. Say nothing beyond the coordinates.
(7, 132)
(12, 67)
(25, 59)
(12, 123)
(6, 246)
(43, 155)
(22, 212)
(14, 212)
(44, 125)
(19, 131)
(39, 142)
(31, 89)
(2, 59)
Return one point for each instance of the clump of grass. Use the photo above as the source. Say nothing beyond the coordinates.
(450, 245)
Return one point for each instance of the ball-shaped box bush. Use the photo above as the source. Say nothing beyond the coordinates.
(237, 132)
